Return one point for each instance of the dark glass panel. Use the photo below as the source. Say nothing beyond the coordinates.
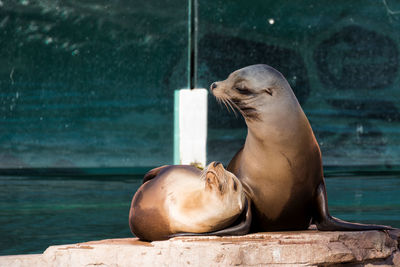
(341, 59)
(89, 83)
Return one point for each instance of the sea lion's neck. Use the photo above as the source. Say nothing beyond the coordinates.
(287, 132)
(283, 148)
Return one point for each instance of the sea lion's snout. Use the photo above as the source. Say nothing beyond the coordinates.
(218, 89)
(215, 176)
(213, 86)
(216, 163)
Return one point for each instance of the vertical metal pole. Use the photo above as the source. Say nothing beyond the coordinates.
(193, 29)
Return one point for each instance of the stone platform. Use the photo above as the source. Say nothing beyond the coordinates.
(305, 248)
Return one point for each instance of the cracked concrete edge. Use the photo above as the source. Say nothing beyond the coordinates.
(308, 248)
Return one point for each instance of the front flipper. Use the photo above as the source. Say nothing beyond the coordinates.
(325, 222)
(152, 173)
(241, 227)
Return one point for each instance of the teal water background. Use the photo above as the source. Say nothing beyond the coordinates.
(36, 212)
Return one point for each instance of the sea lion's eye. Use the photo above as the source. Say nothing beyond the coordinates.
(220, 187)
(243, 91)
(234, 185)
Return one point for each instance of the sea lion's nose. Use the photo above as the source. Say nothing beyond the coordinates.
(216, 163)
(213, 86)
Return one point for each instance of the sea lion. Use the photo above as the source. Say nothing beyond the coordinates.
(280, 163)
(179, 200)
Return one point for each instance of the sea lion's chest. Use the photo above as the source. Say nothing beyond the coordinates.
(277, 183)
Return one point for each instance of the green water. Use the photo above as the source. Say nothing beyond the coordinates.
(374, 199)
(36, 212)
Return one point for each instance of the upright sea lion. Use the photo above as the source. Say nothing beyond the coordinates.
(280, 163)
(182, 200)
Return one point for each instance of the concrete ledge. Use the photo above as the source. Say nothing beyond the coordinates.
(308, 248)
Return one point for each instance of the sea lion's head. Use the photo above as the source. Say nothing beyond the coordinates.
(222, 183)
(225, 189)
(219, 180)
(254, 91)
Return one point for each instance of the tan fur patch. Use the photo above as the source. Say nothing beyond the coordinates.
(193, 202)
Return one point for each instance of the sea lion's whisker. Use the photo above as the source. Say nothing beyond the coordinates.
(226, 106)
(236, 106)
(221, 100)
(226, 100)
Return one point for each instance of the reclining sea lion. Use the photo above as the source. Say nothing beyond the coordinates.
(179, 200)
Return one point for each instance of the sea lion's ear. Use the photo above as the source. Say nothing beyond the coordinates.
(268, 91)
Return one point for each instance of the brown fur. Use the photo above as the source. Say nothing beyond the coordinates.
(280, 164)
(141, 220)
(177, 199)
(193, 202)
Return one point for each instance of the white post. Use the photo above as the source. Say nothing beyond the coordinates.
(190, 127)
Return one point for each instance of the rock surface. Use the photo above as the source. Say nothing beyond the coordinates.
(305, 248)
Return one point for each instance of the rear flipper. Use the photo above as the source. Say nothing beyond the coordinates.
(240, 227)
(325, 222)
